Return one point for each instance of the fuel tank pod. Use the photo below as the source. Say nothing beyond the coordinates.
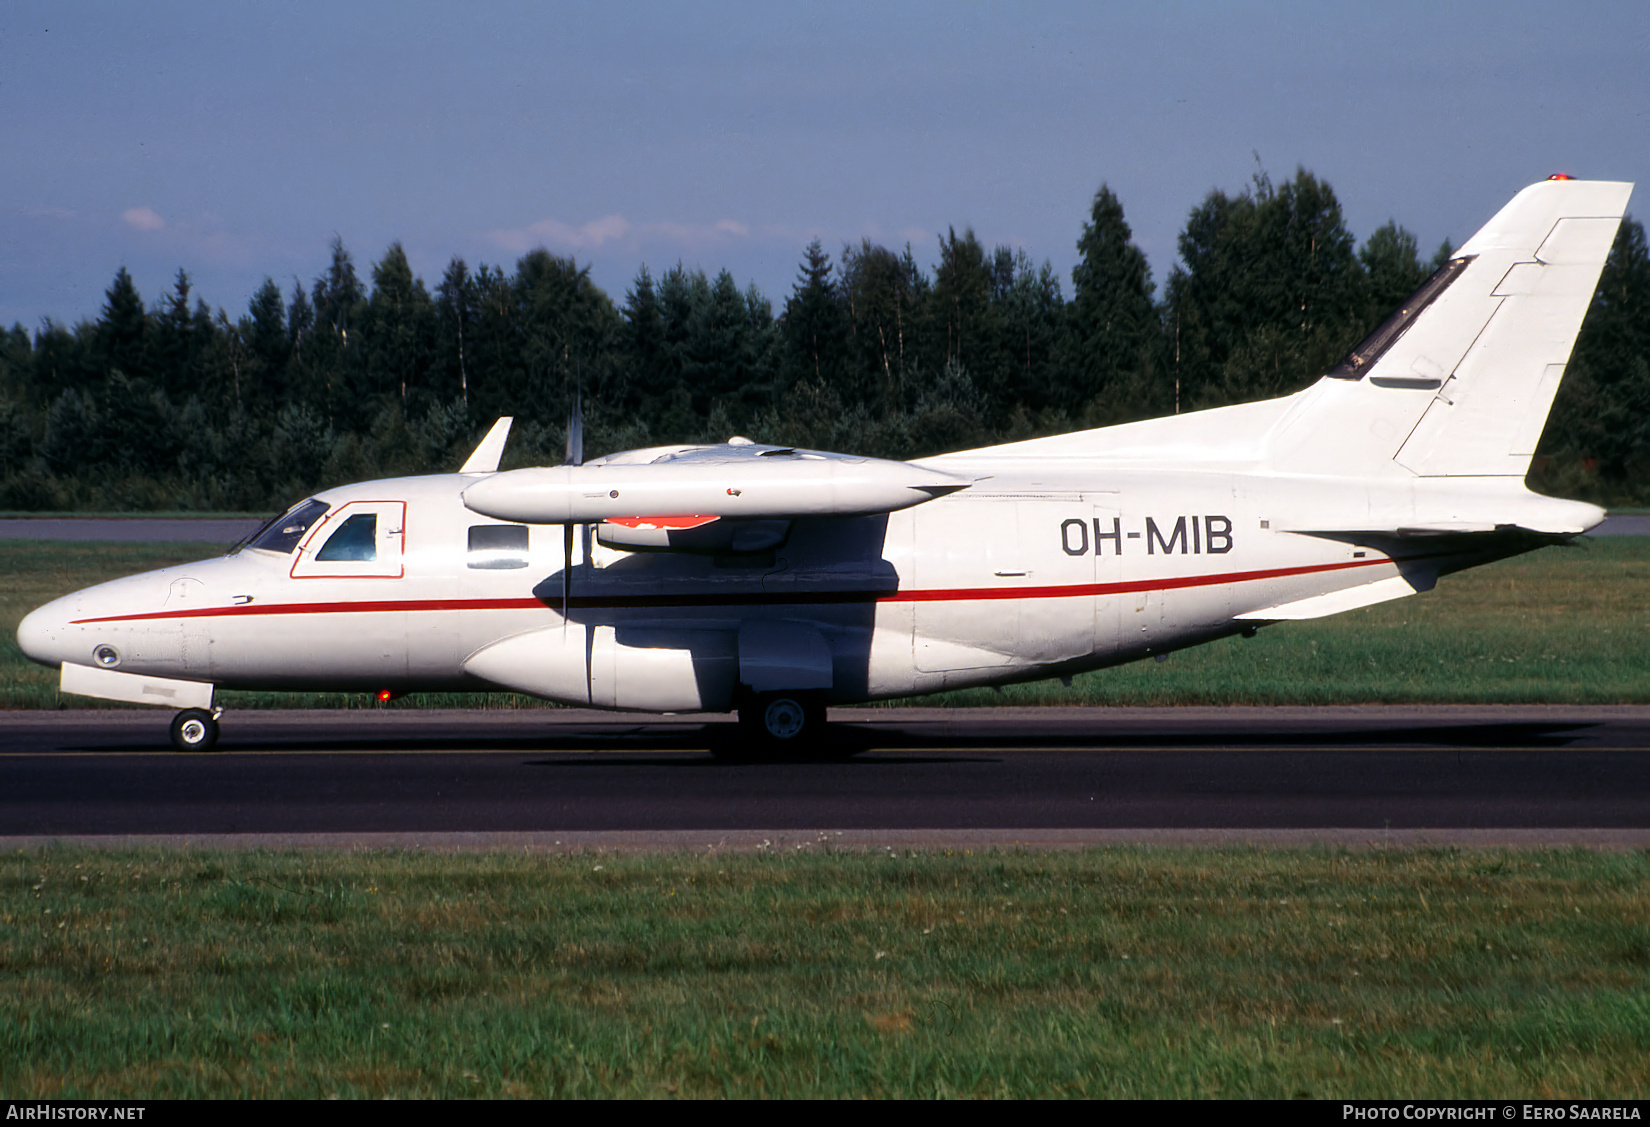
(773, 485)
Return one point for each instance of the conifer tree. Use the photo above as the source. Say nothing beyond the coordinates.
(1113, 327)
(814, 329)
(121, 329)
(268, 347)
(455, 302)
(399, 328)
(174, 345)
(1393, 269)
(962, 300)
(880, 291)
(1269, 292)
(337, 298)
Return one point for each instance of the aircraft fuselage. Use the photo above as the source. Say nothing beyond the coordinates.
(1025, 575)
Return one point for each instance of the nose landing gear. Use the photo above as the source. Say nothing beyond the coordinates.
(195, 729)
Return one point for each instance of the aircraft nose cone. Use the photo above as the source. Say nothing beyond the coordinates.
(40, 633)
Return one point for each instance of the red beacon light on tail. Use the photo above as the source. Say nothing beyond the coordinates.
(1561, 176)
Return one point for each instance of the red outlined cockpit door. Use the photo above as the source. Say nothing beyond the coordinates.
(363, 539)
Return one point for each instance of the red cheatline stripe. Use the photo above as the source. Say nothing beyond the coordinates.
(357, 606)
(717, 599)
(1160, 584)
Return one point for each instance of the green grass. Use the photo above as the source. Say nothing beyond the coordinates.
(1562, 625)
(1121, 972)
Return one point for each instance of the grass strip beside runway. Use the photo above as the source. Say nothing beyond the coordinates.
(1117, 972)
(1557, 626)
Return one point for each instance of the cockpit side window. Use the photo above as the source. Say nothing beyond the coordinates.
(497, 546)
(283, 533)
(356, 541)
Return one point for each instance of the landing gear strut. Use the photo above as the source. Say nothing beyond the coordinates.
(195, 729)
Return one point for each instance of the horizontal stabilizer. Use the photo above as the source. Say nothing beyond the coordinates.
(1470, 507)
(733, 480)
(1406, 531)
(1321, 606)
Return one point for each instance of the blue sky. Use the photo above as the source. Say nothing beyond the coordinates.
(234, 140)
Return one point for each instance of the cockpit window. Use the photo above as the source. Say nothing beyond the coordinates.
(356, 541)
(282, 533)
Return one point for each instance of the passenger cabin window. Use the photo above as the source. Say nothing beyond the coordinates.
(356, 541)
(497, 546)
(283, 533)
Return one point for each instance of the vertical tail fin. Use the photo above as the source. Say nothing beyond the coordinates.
(1459, 381)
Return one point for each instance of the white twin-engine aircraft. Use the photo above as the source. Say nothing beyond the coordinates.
(776, 581)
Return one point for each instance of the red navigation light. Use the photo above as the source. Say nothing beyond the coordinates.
(386, 695)
(1561, 176)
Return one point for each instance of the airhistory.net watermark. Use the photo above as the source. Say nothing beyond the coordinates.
(50, 1111)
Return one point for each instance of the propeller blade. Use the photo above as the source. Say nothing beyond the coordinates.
(575, 457)
(566, 569)
(575, 430)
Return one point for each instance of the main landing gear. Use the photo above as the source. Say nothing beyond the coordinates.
(195, 729)
(778, 724)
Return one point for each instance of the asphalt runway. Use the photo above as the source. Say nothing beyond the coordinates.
(566, 778)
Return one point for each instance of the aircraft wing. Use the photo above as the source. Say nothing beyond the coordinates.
(736, 480)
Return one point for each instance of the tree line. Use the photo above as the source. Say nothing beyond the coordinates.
(170, 405)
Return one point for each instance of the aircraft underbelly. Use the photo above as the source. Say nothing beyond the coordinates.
(347, 650)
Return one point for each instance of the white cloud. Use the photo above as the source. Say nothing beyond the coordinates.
(143, 219)
(584, 237)
(614, 229)
(554, 232)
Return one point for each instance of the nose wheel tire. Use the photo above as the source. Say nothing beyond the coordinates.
(194, 729)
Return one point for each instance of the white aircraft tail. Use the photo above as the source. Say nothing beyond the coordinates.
(1456, 383)
(1459, 380)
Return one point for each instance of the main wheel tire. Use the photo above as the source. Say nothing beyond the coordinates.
(782, 721)
(194, 729)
